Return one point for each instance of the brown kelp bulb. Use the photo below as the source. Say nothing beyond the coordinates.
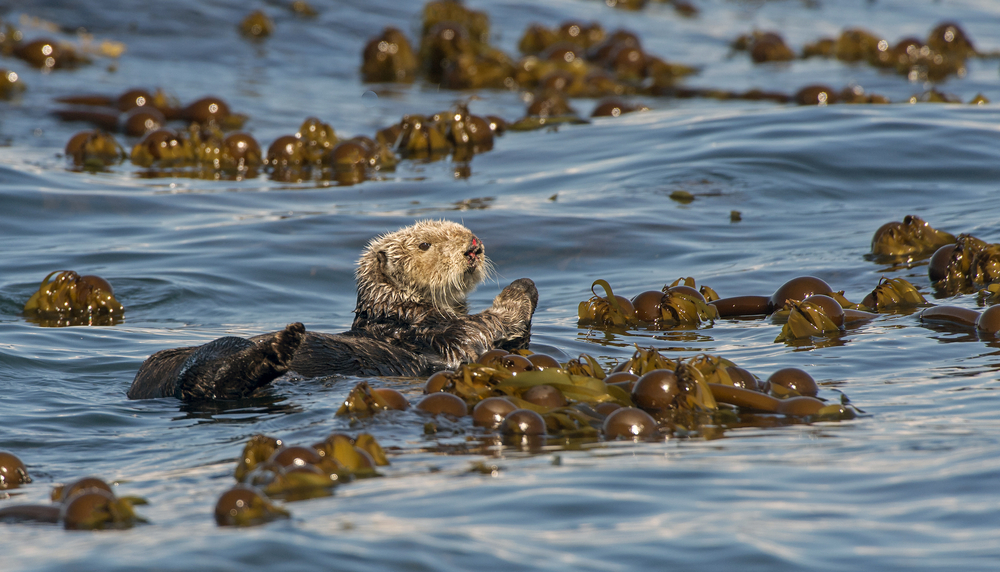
(63, 493)
(97, 149)
(614, 108)
(802, 406)
(134, 98)
(43, 53)
(479, 130)
(607, 408)
(629, 423)
(285, 151)
(523, 422)
(544, 396)
(950, 39)
(770, 47)
(498, 125)
(388, 58)
(989, 321)
(549, 103)
(655, 390)
(831, 308)
(798, 289)
(295, 455)
(242, 148)
(628, 62)
(491, 411)
(438, 381)
(87, 510)
(516, 363)
(742, 378)
(937, 269)
(13, 473)
(256, 26)
(623, 379)
(142, 120)
(535, 39)
(206, 109)
(492, 358)
(393, 398)
(816, 95)
(543, 361)
(75, 143)
(795, 379)
(347, 154)
(10, 84)
(601, 51)
(446, 403)
(245, 506)
(562, 52)
(647, 305)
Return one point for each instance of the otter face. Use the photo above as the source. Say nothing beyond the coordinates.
(431, 262)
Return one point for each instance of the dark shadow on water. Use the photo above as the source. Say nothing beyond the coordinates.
(237, 411)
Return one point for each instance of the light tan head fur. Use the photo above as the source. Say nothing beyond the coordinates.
(431, 263)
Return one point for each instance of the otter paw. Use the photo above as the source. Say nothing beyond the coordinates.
(286, 342)
(522, 288)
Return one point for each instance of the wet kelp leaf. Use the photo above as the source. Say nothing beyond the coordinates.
(683, 305)
(258, 449)
(363, 402)
(611, 310)
(913, 237)
(892, 293)
(73, 300)
(971, 262)
(806, 319)
(244, 505)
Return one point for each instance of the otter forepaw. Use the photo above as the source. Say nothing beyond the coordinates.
(520, 289)
(286, 342)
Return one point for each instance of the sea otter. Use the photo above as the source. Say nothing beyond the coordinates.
(411, 319)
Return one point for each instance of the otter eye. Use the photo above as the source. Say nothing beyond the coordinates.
(425, 245)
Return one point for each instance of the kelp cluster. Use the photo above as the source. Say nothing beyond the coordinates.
(805, 307)
(676, 304)
(962, 264)
(941, 55)
(270, 469)
(965, 266)
(582, 60)
(85, 504)
(906, 240)
(69, 299)
(574, 60)
(525, 397)
(209, 149)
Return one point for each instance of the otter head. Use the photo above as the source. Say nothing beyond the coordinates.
(431, 263)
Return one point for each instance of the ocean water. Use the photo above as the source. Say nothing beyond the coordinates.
(909, 485)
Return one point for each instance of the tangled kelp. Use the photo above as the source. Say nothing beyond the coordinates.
(907, 240)
(270, 469)
(507, 394)
(73, 300)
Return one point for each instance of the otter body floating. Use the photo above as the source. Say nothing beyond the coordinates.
(411, 319)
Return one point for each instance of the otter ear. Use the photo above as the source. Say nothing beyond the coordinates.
(382, 258)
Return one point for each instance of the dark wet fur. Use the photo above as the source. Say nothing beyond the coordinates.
(377, 345)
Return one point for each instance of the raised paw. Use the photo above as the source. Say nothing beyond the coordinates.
(522, 288)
